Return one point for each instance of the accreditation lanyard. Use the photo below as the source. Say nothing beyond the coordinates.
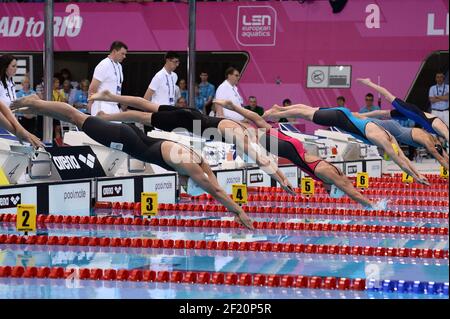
(171, 92)
(118, 75)
(11, 90)
(236, 94)
(438, 93)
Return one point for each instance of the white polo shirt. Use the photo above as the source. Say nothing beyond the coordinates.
(439, 90)
(165, 86)
(226, 91)
(8, 94)
(110, 75)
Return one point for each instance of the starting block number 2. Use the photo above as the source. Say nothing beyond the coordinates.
(149, 204)
(26, 218)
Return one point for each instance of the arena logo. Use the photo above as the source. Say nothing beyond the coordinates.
(256, 26)
(256, 178)
(69, 162)
(10, 200)
(112, 190)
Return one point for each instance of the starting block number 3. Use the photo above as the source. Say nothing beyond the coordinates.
(239, 192)
(149, 204)
(26, 218)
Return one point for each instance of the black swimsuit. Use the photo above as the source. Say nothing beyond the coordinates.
(134, 142)
(169, 118)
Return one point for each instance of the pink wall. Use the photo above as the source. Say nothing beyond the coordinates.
(300, 35)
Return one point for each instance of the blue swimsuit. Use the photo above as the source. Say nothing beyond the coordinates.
(343, 119)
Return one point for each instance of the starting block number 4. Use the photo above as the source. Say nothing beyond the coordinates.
(26, 218)
(149, 204)
(362, 180)
(444, 172)
(407, 178)
(307, 186)
(239, 193)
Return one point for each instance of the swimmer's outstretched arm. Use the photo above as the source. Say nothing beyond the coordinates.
(432, 145)
(9, 122)
(249, 115)
(134, 101)
(127, 116)
(386, 94)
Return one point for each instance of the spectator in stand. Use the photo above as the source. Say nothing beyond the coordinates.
(207, 90)
(80, 98)
(183, 89)
(369, 107)
(181, 102)
(253, 106)
(28, 121)
(57, 96)
(199, 99)
(340, 101)
(64, 75)
(66, 90)
(26, 88)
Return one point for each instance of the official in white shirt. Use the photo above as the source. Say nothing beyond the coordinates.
(108, 75)
(163, 87)
(228, 91)
(439, 98)
(8, 68)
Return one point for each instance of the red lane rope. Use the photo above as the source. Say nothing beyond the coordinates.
(225, 245)
(136, 207)
(233, 224)
(190, 277)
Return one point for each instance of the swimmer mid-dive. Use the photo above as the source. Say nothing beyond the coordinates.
(293, 150)
(362, 129)
(169, 118)
(129, 139)
(429, 122)
(413, 136)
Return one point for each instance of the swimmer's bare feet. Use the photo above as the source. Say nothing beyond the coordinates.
(26, 101)
(273, 110)
(101, 96)
(364, 81)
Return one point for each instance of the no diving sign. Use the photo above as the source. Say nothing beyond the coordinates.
(326, 76)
